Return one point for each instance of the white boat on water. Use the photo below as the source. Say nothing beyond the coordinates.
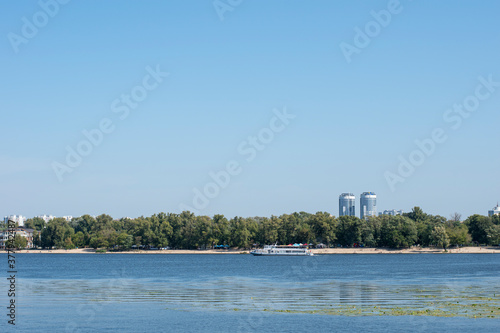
(283, 250)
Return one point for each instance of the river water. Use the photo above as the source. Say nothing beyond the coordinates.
(242, 293)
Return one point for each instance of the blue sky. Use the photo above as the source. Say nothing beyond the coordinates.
(352, 119)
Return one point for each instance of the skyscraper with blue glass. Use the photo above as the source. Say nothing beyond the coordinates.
(347, 204)
(368, 204)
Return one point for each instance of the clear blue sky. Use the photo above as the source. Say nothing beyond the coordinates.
(352, 120)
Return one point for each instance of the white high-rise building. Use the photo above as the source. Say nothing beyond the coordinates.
(46, 218)
(16, 218)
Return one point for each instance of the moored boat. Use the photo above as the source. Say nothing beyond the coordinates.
(283, 250)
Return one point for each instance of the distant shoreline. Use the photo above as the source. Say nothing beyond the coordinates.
(413, 250)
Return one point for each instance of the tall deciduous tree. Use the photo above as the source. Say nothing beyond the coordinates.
(56, 233)
(478, 228)
(349, 230)
(17, 242)
(440, 237)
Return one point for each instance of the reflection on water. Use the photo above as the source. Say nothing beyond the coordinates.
(254, 294)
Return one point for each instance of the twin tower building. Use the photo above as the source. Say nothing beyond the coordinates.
(368, 204)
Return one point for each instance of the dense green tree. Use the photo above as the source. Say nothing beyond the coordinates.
(56, 232)
(102, 222)
(478, 228)
(253, 229)
(85, 224)
(111, 236)
(287, 230)
(220, 230)
(349, 230)
(164, 233)
(189, 239)
(323, 226)
(370, 231)
(202, 237)
(268, 230)
(458, 233)
(142, 230)
(35, 223)
(176, 223)
(17, 242)
(424, 231)
(304, 233)
(125, 241)
(398, 232)
(37, 241)
(68, 244)
(240, 236)
(79, 239)
(440, 237)
(495, 219)
(99, 242)
(416, 214)
(493, 234)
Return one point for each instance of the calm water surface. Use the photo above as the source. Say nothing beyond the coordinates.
(242, 293)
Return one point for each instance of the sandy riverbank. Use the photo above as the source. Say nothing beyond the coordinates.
(488, 249)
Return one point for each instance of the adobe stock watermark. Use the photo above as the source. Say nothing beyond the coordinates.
(262, 309)
(248, 149)
(223, 6)
(454, 117)
(372, 29)
(87, 310)
(31, 26)
(121, 106)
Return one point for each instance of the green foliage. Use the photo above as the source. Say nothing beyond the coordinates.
(18, 242)
(323, 227)
(240, 235)
(267, 232)
(79, 239)
(440, 237)
(98, 242)
(349, 230)
(398, 232)
(493, 234)
(479, 227)
(56, 233)
(188, 231)
(35, 223)
(37, 240)
(458, 233)
(495, 219)
(68, 244)
(417, 215)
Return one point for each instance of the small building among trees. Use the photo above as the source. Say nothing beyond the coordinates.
(19, 233)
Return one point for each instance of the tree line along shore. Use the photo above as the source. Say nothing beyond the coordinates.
(186, 231)
(319, 251)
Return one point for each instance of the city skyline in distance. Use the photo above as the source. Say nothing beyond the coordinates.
(385, 211)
